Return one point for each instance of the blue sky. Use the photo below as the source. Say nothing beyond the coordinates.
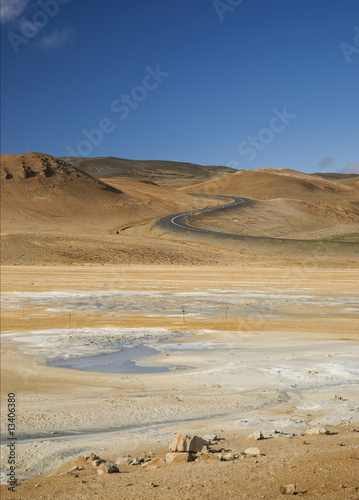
(251, 83)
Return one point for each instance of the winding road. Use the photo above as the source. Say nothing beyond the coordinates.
(179, 222)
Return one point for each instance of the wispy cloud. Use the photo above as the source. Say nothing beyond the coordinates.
(58, 38)
(10, 9)
(353, 168)
(325, 162)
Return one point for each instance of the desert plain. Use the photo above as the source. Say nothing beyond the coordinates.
(118, 334)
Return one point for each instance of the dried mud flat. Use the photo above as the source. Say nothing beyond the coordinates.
(245, 349)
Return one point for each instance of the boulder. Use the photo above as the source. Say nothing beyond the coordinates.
(97, 462)
(252, 452)
(229, 457)
(155, 463)
(315, 431)
(211, 457)
(107, 468)
(256, 436)
(180, 443)
(289, 489)
(92, 457)
(210, 437)
(122, 461)
(177, 458)
(197, 445)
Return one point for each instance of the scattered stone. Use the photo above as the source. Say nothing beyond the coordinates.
(289, 489)
(198, 445)
(122, 461)
(152, 485)
(315, 431)
(37, 485)
(252, 452)
(97, 462)
(180, 443)
(177, 458)
(156, 463)
(183, 443)
(92, 457)
(256, 435)
(75, 467)
(135, 462)
(107, 468)
(210, 437)
(229, 457)
(338, 398)
(210, 457)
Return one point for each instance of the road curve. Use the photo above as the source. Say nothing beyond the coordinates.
(178, 223)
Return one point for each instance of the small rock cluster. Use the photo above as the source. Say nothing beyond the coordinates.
(185, 449)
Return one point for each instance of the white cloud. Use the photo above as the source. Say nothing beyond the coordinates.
(353, 168)
(10, 9)
(58, 38)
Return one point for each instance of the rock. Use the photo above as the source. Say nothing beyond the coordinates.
(197, 445)
(338, 398)
(177, 458)
(211, 457)
(289, 489)
(180, 443)
(315, 431)
(155, 463)
(256, 435)
(152, 485)
(107, 468)
(135, 462)
(210, 437)
(97, 462)
(92, 457)
(122, 461)
(252, 452)
(229, 457)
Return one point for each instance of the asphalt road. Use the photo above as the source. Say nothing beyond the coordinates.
(179, 224)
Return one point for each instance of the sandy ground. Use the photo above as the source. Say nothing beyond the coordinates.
(253, 349)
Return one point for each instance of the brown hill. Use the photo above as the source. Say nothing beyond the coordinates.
(289, 205)
(160, 172)
(269, 184)
(45, 195)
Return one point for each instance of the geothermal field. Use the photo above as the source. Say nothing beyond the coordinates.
(146, 303)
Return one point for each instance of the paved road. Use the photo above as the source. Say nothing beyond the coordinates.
(179, 222)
